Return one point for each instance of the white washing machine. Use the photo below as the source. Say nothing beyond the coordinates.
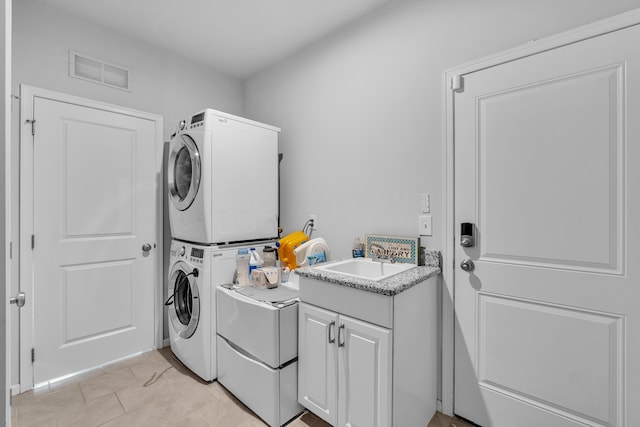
(223, 179)
(195, 271)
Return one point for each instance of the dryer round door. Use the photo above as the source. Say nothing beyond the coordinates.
(183, 171)
(184, 313)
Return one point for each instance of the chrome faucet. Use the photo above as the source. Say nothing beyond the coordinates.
(380, 249)
(378, 258)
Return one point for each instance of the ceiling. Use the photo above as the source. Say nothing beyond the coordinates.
(238, 37)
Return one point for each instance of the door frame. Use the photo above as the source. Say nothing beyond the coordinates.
(455, 77)
(7, 208)
(27, 98)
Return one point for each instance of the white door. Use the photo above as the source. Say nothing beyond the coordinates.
(94, 208)
(546, 156)
(364, 377)
(318, 361)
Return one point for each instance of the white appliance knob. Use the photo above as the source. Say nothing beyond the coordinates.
(182, 251)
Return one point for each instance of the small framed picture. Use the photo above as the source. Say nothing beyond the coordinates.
(393, 248)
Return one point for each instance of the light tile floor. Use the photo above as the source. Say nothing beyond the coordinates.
(152, 389)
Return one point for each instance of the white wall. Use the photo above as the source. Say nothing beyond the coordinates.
(361, 111)
(164, 83)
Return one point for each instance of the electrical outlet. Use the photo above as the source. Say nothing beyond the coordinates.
(424, 225)
(314, 218)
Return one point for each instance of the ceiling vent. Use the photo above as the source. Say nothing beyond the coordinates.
(98, 71)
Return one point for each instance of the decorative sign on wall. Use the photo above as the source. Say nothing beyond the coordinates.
(394, 248)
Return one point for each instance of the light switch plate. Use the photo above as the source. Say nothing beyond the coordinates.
(425, 225)
(425, 203)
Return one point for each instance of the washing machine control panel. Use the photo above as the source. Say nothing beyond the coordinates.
(197, 255)
(194, 255)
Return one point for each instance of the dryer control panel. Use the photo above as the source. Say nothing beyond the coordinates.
(197, 120)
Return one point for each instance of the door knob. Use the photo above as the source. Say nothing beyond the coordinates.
(18, 300)
(146, 247)
(467, 265)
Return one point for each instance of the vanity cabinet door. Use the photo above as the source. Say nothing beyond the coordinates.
(318, 361)
(364, 377)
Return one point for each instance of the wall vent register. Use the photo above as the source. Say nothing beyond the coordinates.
(84, 67)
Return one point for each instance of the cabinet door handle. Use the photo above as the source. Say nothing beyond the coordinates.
(332, 332)
(341, 335)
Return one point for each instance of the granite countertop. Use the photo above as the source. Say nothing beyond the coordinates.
(390, 286)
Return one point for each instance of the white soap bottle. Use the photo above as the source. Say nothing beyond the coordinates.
(255, 261)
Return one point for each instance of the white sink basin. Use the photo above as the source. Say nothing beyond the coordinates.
(365, 268)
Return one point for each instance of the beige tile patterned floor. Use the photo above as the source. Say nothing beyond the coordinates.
(153, 389)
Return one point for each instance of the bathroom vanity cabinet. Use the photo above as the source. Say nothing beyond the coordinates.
(347, 369)
(367, 354)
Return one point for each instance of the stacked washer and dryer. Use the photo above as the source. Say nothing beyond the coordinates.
(222, 178)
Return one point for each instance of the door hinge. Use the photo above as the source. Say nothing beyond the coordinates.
(33, 241)
(33, 355)
(11, 250)
(457, 83)
(33, 126)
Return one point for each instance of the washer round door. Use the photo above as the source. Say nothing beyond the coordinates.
(184, 313)
(183, 171)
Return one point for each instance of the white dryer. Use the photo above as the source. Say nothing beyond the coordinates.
(223, 179)
(194, 273)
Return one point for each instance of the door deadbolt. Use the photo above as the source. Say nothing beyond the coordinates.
(467, 239)
(467, 265)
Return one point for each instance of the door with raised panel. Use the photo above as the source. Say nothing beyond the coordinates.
(94, 221)
(548, 322)
(364, 374)
(318, 361)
